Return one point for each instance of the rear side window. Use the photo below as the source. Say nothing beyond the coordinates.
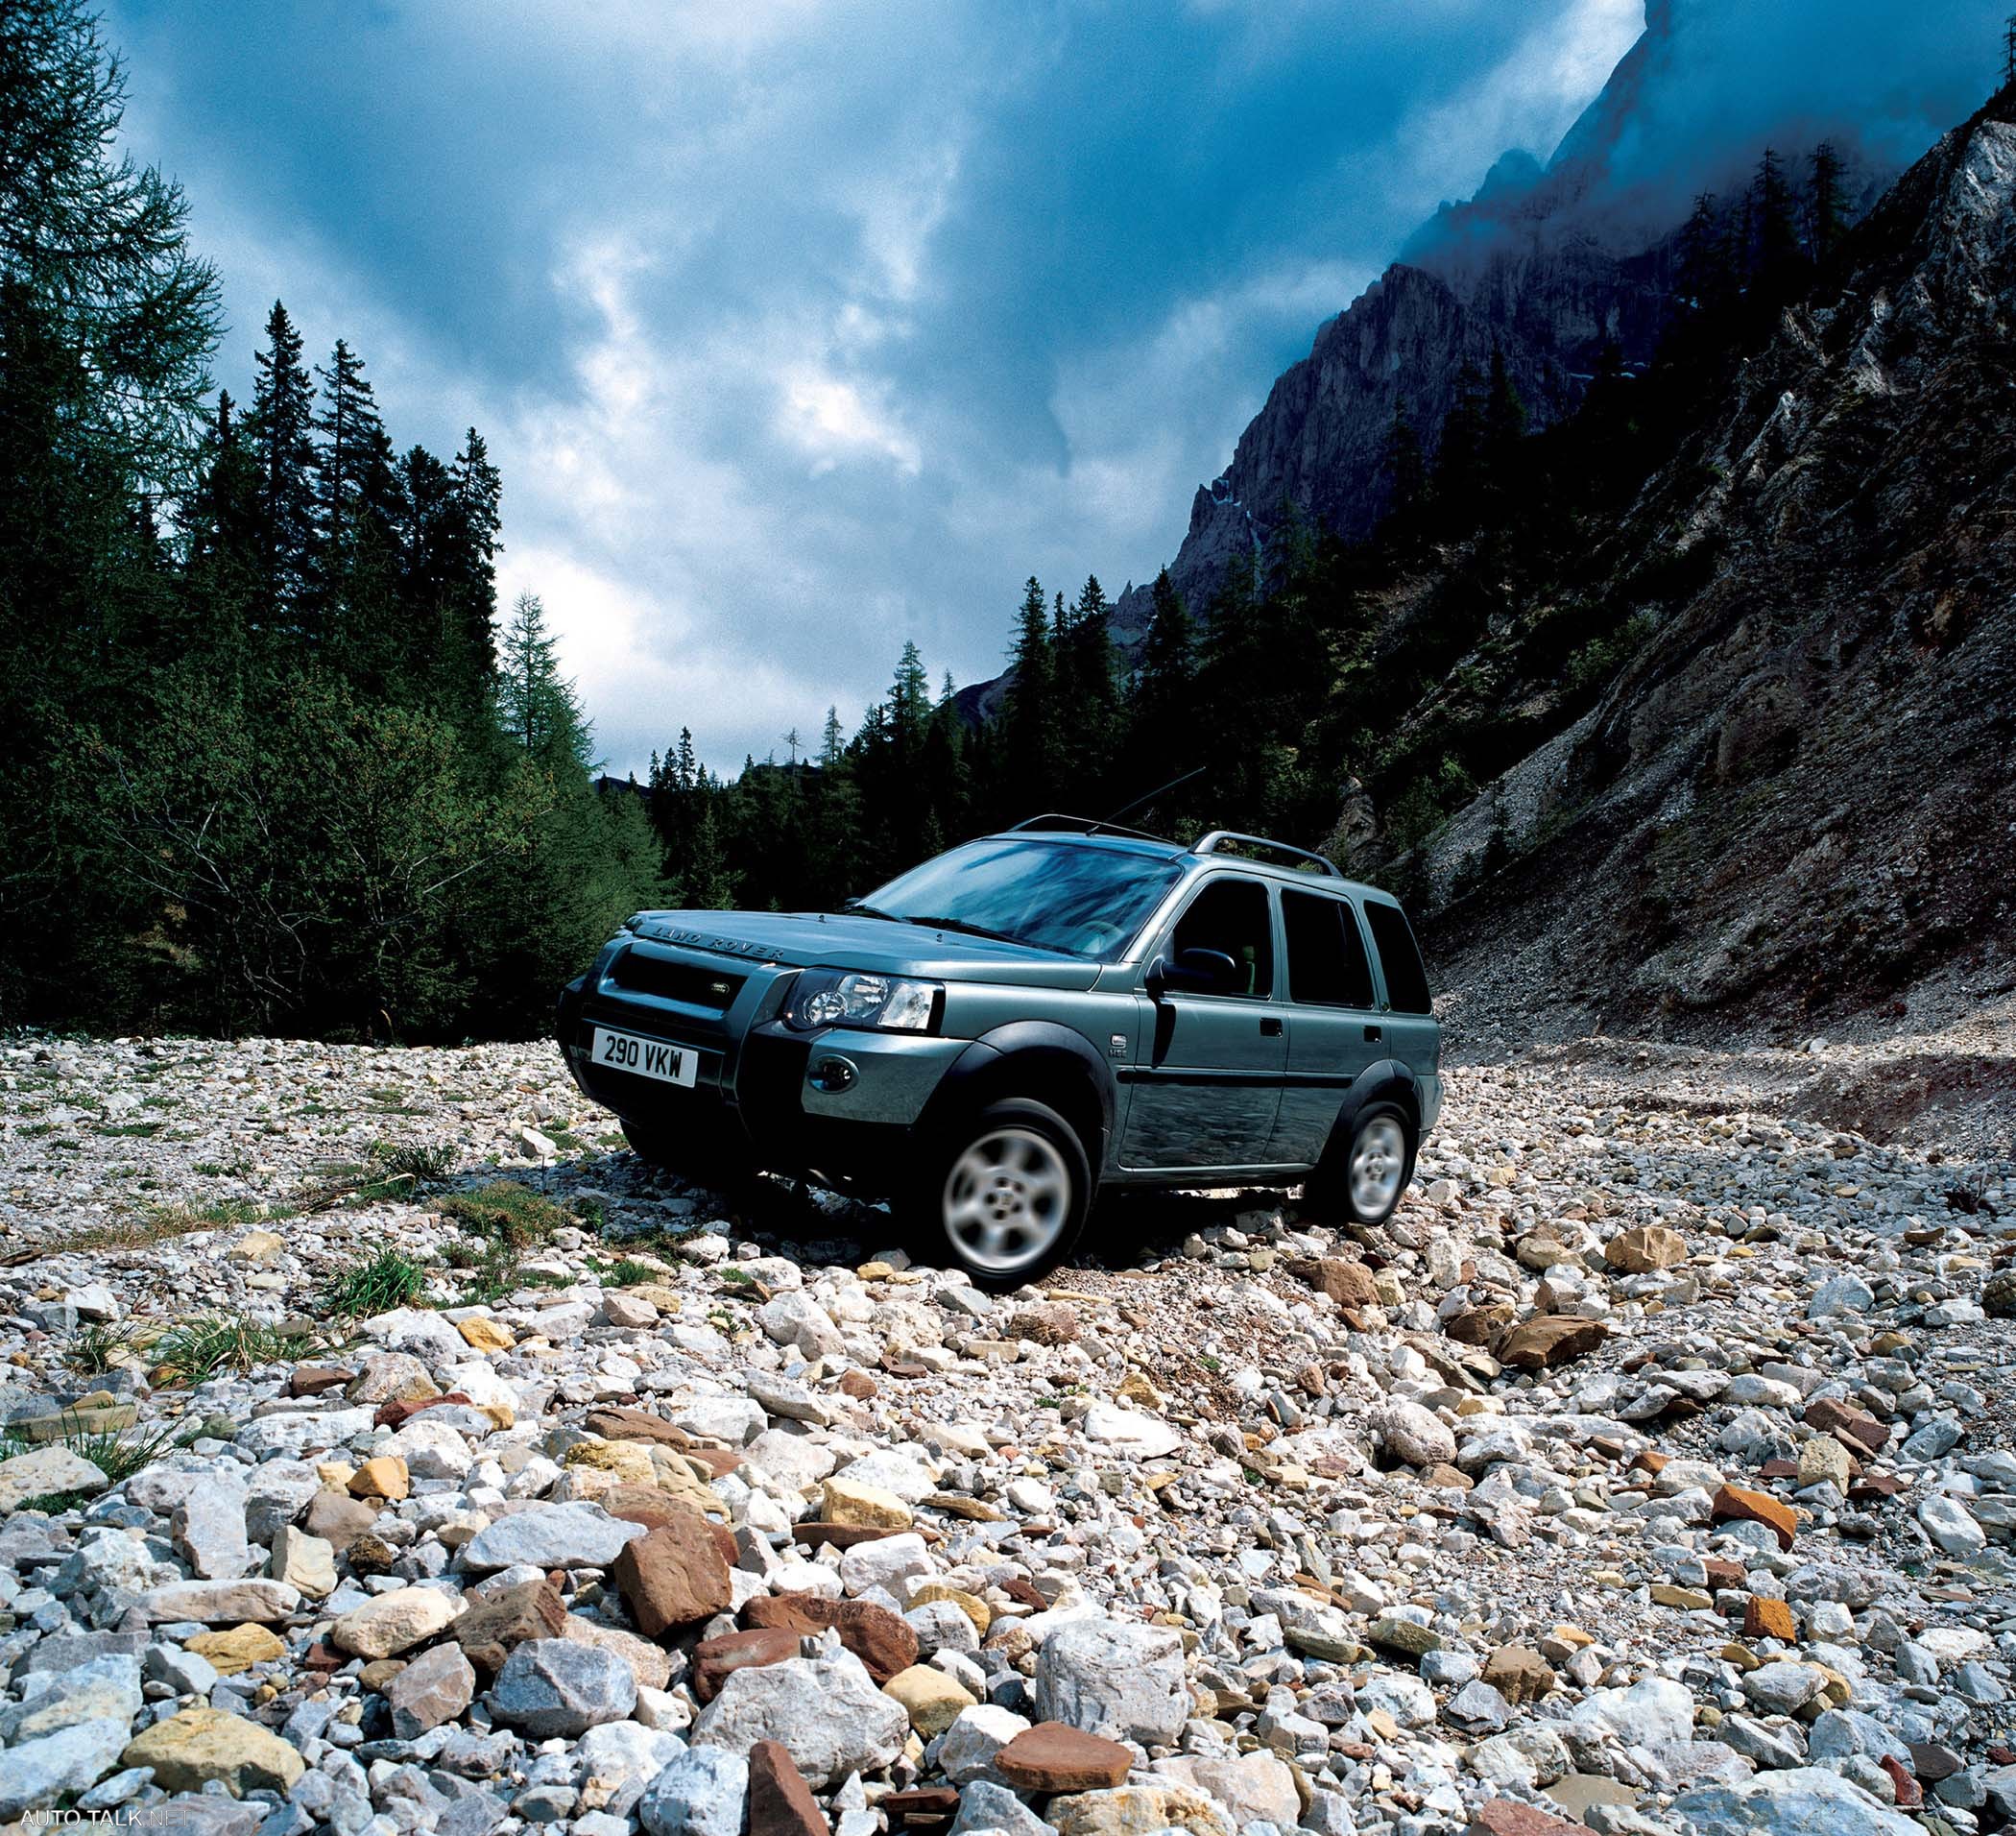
(1327, 965)
(1232, 915)
(1406, 978)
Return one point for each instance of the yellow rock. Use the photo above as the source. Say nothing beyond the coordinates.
(667, 1300)
(972, 1606)
(239, 1649)
(1686, 1599)
(930, 1697)
(1138, 1390)
(383, 1476)
(850, 1503)
(335, 1475)
(190, 1749)
(875, 1270)
(484, 1335)
(255, 1247)
(1137, 1810)
(1574, 1635)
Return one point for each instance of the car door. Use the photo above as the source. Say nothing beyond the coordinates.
(1334, 1027)
(1209, 1083)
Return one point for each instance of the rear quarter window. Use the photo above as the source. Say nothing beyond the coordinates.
(1327, 963)
(1406, 977)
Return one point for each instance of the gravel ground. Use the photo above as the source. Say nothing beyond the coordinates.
(1652, 1470)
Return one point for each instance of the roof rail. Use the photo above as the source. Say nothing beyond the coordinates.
(1083, 825)
(1219, 839)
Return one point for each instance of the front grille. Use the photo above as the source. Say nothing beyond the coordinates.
(643, 972)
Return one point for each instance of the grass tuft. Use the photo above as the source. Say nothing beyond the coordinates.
(118, 1453)
(391, 1279)
(99, 1346)
(194, 1349)
(507, 1212)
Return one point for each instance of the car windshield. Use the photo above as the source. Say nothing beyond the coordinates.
(1078, 901)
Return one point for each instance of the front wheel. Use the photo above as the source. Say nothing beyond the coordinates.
(1363, 1173)
(1004, 1194)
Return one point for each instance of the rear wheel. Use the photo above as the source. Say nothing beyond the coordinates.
(1005, 1194)
(1366, 1171)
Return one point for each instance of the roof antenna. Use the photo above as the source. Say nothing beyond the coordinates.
(1127, 809)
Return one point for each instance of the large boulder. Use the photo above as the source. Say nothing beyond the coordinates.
(1104, 1674)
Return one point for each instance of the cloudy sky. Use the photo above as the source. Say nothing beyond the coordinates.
(802, 328)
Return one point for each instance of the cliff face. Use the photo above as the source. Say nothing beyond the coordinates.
(1796, 800)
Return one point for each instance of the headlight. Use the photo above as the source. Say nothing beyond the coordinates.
(849, 997)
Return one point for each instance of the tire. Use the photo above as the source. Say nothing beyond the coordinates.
(713, 1165)
(1364, 1174)
(1003, 1194)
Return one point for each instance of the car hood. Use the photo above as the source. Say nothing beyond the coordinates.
(840, 940)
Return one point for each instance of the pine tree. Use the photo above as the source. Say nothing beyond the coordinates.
(1458, 472)
(479, 494)
(537, 705)
(1091, 704)
(1777, 233)
(279, 427)
(1501, 463)
(1161, 715)
(1405, 468)
(1828, 206)
(94, 250)
(1030, 716)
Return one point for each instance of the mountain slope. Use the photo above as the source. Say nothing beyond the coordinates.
(1796, 798)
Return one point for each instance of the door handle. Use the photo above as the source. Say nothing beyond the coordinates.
(1373, 1034)
(1270, 1028)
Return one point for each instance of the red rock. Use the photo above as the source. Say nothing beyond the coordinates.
(614, 1422)
(1548, 1340)
(857, 1384)
(1856, 1428)
(673, 1576)
(1780, 1469)
(1346, 1282)
(1909, 1793)
(1725, 1574)
(1736, 1503)
(1502, 1817)
(716, 1660)
(1768, 1618)
(780, 1803)
(874, 1634)
(1645, 1461)
(814, 1530)
(1024, 1592)
(1053, 1756)
(491, 1628)
(397, 1412)
(313, 1380)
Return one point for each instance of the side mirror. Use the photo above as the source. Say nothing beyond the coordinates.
(1195, 971)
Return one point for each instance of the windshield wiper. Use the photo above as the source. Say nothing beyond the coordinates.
(966, 930)
(854, 909)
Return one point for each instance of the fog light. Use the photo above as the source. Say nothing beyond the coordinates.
(832, 1075)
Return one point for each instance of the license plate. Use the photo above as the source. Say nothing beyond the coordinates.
(646, 1057)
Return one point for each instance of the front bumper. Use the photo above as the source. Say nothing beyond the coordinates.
(840, 1103)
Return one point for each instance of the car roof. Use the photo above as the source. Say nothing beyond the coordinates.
(1148, 848)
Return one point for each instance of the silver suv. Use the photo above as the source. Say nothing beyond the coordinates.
(995, 1037)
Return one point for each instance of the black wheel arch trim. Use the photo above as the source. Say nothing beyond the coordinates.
(987, 1067)
(1389, 1080)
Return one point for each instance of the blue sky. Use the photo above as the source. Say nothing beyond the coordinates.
(800, 329)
